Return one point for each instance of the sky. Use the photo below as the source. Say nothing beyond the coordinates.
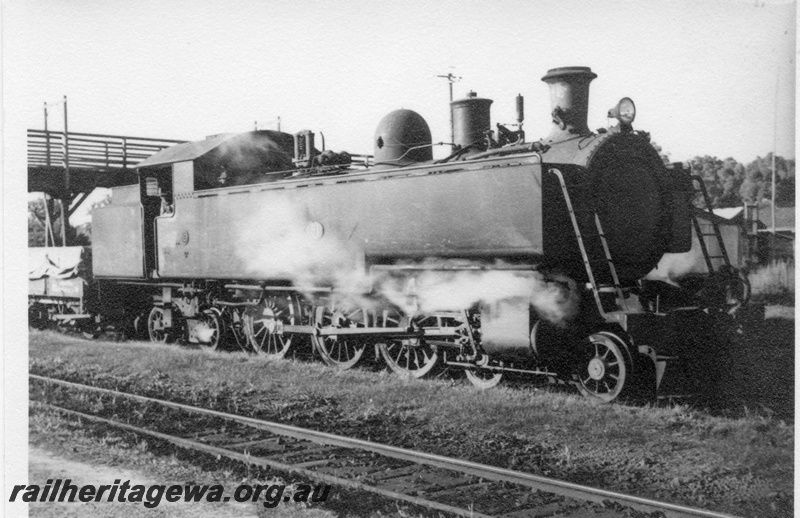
(703, 74)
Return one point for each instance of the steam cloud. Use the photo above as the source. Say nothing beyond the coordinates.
(672, 267)
(555, 299)
(289, 247)
(254, 152)
(203, 332)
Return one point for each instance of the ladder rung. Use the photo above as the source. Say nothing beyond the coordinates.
(608, 289)
(577, 228)
(709, 234)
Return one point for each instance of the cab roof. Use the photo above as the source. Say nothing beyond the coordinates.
(262, 139)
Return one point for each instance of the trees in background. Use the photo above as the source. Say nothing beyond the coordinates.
(731, 184)
(37, 223)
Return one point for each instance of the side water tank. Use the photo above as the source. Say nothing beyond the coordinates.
(402, 137)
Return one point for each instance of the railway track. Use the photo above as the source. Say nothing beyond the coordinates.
(445, 484)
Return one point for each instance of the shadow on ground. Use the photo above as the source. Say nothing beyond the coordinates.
(749, 373)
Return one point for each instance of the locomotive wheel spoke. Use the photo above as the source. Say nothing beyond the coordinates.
(261, 324)
(482, 378)
(339, 351)
(235, 319)
(213, 319)
(605, 374)
(408, 357)
(155, 326)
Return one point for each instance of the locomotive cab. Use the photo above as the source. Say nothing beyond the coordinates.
(156, 188)
(171, 181)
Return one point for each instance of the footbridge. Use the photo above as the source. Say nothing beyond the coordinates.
(67, 167)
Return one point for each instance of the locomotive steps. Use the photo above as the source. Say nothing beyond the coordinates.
(741, 466)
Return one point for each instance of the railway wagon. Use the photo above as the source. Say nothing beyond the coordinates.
(57, 285)
(506, 256)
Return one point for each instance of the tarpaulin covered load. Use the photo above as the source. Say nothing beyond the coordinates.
(58, 272)
(59, 262)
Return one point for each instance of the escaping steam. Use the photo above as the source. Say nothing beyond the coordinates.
(245, 159)
(672, 267)
(262, 151)
(202, 332)
(286, 243)
(555, 300)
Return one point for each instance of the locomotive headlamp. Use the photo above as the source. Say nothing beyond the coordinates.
(624, 111)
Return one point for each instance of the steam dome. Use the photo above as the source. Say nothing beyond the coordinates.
(402, 137)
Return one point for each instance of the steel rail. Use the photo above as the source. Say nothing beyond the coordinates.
(555, 486)
(263, 462)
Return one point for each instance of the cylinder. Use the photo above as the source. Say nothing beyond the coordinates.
(569, 99)
(520, 108)
(471, 120)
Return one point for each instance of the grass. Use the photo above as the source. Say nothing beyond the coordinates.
(739, 461)
(98, 456)
(774, 282)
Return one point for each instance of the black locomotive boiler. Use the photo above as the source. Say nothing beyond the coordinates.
(507, 256)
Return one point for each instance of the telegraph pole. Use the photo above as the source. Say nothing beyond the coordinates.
(46, 137)
(450, 80)
(774, 149)
(65, 206)
(65, 163)
(66, 148)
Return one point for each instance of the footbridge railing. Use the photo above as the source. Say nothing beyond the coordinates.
(89, 150)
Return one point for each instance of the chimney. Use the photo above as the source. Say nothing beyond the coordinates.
(569, 97)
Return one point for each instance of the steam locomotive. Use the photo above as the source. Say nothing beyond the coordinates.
(507, 256)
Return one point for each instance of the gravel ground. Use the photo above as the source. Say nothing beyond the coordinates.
(44, 465)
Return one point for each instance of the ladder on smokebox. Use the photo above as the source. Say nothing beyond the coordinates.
(589, 263)
(701, 236)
